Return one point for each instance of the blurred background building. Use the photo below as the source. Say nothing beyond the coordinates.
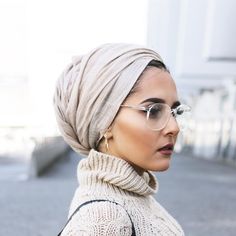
(195, 39)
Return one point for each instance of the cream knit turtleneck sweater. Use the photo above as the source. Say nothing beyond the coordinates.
(102, 176)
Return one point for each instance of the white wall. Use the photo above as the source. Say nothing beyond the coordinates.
(179, 30)
(163, 26)
(194, 32)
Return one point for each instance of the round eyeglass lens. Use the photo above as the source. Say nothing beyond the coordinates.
(157, 116)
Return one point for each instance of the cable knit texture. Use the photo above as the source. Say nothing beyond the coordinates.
(102, 176)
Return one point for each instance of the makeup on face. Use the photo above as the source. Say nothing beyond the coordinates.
(160, 100)
(132, 140)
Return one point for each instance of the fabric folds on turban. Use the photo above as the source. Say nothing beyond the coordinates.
(91, 89)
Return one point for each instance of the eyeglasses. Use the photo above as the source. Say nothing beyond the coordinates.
(158, 115)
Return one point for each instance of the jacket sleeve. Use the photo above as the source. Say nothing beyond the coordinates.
(99, 219)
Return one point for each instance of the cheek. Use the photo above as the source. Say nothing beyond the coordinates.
(133, 138)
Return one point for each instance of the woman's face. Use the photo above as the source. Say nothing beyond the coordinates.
(131, 139)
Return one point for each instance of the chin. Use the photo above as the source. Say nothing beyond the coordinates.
(162, 166)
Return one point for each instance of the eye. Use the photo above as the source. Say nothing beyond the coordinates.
(155, 111)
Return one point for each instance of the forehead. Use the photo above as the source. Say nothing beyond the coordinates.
(155, 83)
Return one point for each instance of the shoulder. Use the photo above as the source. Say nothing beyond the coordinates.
(100, 218)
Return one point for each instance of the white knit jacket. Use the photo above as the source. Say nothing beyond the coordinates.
(102, 176)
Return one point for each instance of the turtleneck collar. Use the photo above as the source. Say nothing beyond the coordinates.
(99, 167)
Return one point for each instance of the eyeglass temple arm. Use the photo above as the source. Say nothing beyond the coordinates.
(136, 107)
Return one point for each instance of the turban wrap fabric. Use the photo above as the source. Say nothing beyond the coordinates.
(91, 89)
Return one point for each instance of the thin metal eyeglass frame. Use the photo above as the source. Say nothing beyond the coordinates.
(173, 111)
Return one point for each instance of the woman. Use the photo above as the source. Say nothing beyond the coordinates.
(118, 104)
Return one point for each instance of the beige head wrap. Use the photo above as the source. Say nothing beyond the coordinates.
(90, 91)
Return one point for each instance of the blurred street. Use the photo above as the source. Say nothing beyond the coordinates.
(200, 194)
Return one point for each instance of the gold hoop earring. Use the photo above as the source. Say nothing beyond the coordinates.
(106, 143)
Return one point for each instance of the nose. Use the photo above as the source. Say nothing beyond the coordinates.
(172, 127)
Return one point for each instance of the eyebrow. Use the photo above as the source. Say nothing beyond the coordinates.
(160, 100)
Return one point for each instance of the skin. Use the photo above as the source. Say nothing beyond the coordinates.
(130, 139)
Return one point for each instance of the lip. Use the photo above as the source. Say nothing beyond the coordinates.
(167, 149)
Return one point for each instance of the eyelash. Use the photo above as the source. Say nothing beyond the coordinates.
(148, 106)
